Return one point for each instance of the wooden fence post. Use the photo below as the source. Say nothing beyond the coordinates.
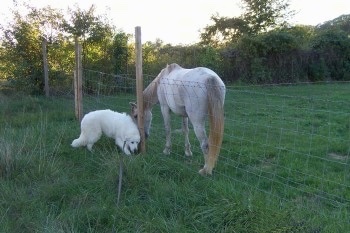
(139, 87)
(78, 82)
(46, 69)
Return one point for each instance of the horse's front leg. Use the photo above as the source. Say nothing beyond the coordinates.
(166, 118)
(185, 131)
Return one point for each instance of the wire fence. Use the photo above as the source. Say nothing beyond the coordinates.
(289, 143)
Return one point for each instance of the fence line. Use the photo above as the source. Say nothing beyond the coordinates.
(288, 142)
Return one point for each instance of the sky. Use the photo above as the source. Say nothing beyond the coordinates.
(180, 21)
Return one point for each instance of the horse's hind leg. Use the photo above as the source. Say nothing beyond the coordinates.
(185, 130)
(199, 130)
(202, 138)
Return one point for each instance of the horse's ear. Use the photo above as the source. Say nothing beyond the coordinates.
(133, 112)
(133, 104)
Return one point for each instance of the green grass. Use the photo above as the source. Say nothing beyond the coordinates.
(284, 167)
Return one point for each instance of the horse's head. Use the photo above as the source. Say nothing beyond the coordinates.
(147, 116)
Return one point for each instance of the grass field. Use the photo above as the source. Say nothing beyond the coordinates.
(284, 167)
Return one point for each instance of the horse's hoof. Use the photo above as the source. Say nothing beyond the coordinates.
(166, 151)
(188, 154)
(204, 172)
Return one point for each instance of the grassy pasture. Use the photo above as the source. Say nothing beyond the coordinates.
(283, 167)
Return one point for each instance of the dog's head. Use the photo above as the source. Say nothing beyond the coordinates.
(131, 145)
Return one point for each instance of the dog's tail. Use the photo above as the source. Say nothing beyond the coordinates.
(78, 142)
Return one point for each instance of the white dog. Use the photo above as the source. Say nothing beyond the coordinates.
(118, 126)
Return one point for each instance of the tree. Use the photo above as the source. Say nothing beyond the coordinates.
(48, 19)
(340, 23)
(22, 59)
(95, 34)
(81, 22)
(22, 42)
(333, 49)
(224, 30)
(259, 16)
(264, 15)
(120, 52)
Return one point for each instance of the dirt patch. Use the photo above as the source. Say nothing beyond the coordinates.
(338, 156)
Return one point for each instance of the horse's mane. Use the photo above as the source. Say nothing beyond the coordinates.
(172, 67)
(150, 97)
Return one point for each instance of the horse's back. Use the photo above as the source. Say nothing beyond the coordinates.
(195, 77)
(186, 90)
(196, 82)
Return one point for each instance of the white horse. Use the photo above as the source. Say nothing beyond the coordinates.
(196, 94)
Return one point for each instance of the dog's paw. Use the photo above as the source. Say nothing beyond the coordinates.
(89, 147)
(127, 153)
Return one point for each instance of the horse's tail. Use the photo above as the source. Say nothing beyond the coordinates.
(216, 98)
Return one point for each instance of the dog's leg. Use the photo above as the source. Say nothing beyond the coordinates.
(91, 136)
(121, 144)
(89, 146)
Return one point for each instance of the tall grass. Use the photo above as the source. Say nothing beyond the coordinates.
(47, 186)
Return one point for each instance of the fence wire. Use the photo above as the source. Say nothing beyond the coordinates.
(289, 143)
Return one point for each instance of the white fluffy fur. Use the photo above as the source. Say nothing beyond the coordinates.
(118, 126)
